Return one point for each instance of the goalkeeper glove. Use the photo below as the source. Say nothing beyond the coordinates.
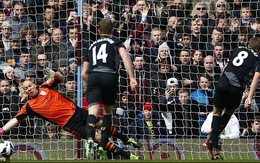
(2, 131)
(50, 73)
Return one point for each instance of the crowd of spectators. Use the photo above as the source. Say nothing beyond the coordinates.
(178, 48)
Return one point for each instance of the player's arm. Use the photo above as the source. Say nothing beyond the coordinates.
(19, 117)
(9, 125)
(50, 74)
(84, 72)
(128, 66)
(253, 88)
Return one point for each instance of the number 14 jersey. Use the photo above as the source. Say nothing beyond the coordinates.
(103, 55)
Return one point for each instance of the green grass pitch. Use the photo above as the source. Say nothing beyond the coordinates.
(236, 150)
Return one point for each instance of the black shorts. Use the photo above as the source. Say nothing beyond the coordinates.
(102, 87)
(226, 95)
(77, 123)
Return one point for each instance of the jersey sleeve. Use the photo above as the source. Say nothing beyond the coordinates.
(119, 44)
(53, 83)
(258, 65)
(86, 56)
(22, 114)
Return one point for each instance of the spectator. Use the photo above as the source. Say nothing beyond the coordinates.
(197, 59)
(168, 101)
(242, 38)
(7, 7)
(18, 19)
(9, 102)
(186, 71)
(142, 75)
(246, 16)
(151, 47)
(255, 26)
(19, 71)
(41, 64)
(185, 116)
(176, 26)
(172, 6)
(12, 56)
(6, 31)
(47, 21)
(147, 125)
(124, 113)
(164, 55)
(198, 39)
(170, 95)
(53, 49)
(143, 18)
(224, 23)
(204, 96)
(220, 60)
(235, 7)
(216, 37)
(183, 43)
(3, 64)
(63, 67)
(221, 10)
(71, 21)
(201, 11)
(136, 47)
(72, 71)
(245, 115)
(211, 68)
(70, 44)
(158, 83)
(3, 17)
(28, 41)
(9, 75)
(254, 130)
(231, 131)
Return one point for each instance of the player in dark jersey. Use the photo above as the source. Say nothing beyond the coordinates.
(47, 103)
(100, 72)
(242, 65)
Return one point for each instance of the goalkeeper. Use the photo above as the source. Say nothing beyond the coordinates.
(46, 103)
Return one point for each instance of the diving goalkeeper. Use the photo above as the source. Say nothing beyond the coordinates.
(46, 103)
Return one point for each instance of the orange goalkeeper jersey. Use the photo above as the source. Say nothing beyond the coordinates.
(49, 105)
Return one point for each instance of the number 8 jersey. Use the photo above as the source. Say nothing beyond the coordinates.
(103, 55)
(241, 67)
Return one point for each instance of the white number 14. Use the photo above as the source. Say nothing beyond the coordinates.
(102, 54)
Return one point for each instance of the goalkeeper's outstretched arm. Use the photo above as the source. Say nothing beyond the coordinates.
(9, 125)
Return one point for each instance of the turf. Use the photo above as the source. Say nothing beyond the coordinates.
(237, 150)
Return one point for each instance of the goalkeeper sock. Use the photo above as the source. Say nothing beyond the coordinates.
(105, 129)
(215, 132)
(224, 119)
(91, 123)
(111, 147)
(118, 134)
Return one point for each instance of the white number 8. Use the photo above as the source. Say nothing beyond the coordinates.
(238, 61)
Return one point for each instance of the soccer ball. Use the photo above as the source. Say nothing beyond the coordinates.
(6, 148)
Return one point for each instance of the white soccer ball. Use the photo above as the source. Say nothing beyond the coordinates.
(6, 148)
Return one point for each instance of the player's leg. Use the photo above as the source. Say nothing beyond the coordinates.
(116, 133)
(109, 92)
(111, 147)
(220, 101)
(94, 97)
(105, 128)
(235, 97)
(90, 128)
